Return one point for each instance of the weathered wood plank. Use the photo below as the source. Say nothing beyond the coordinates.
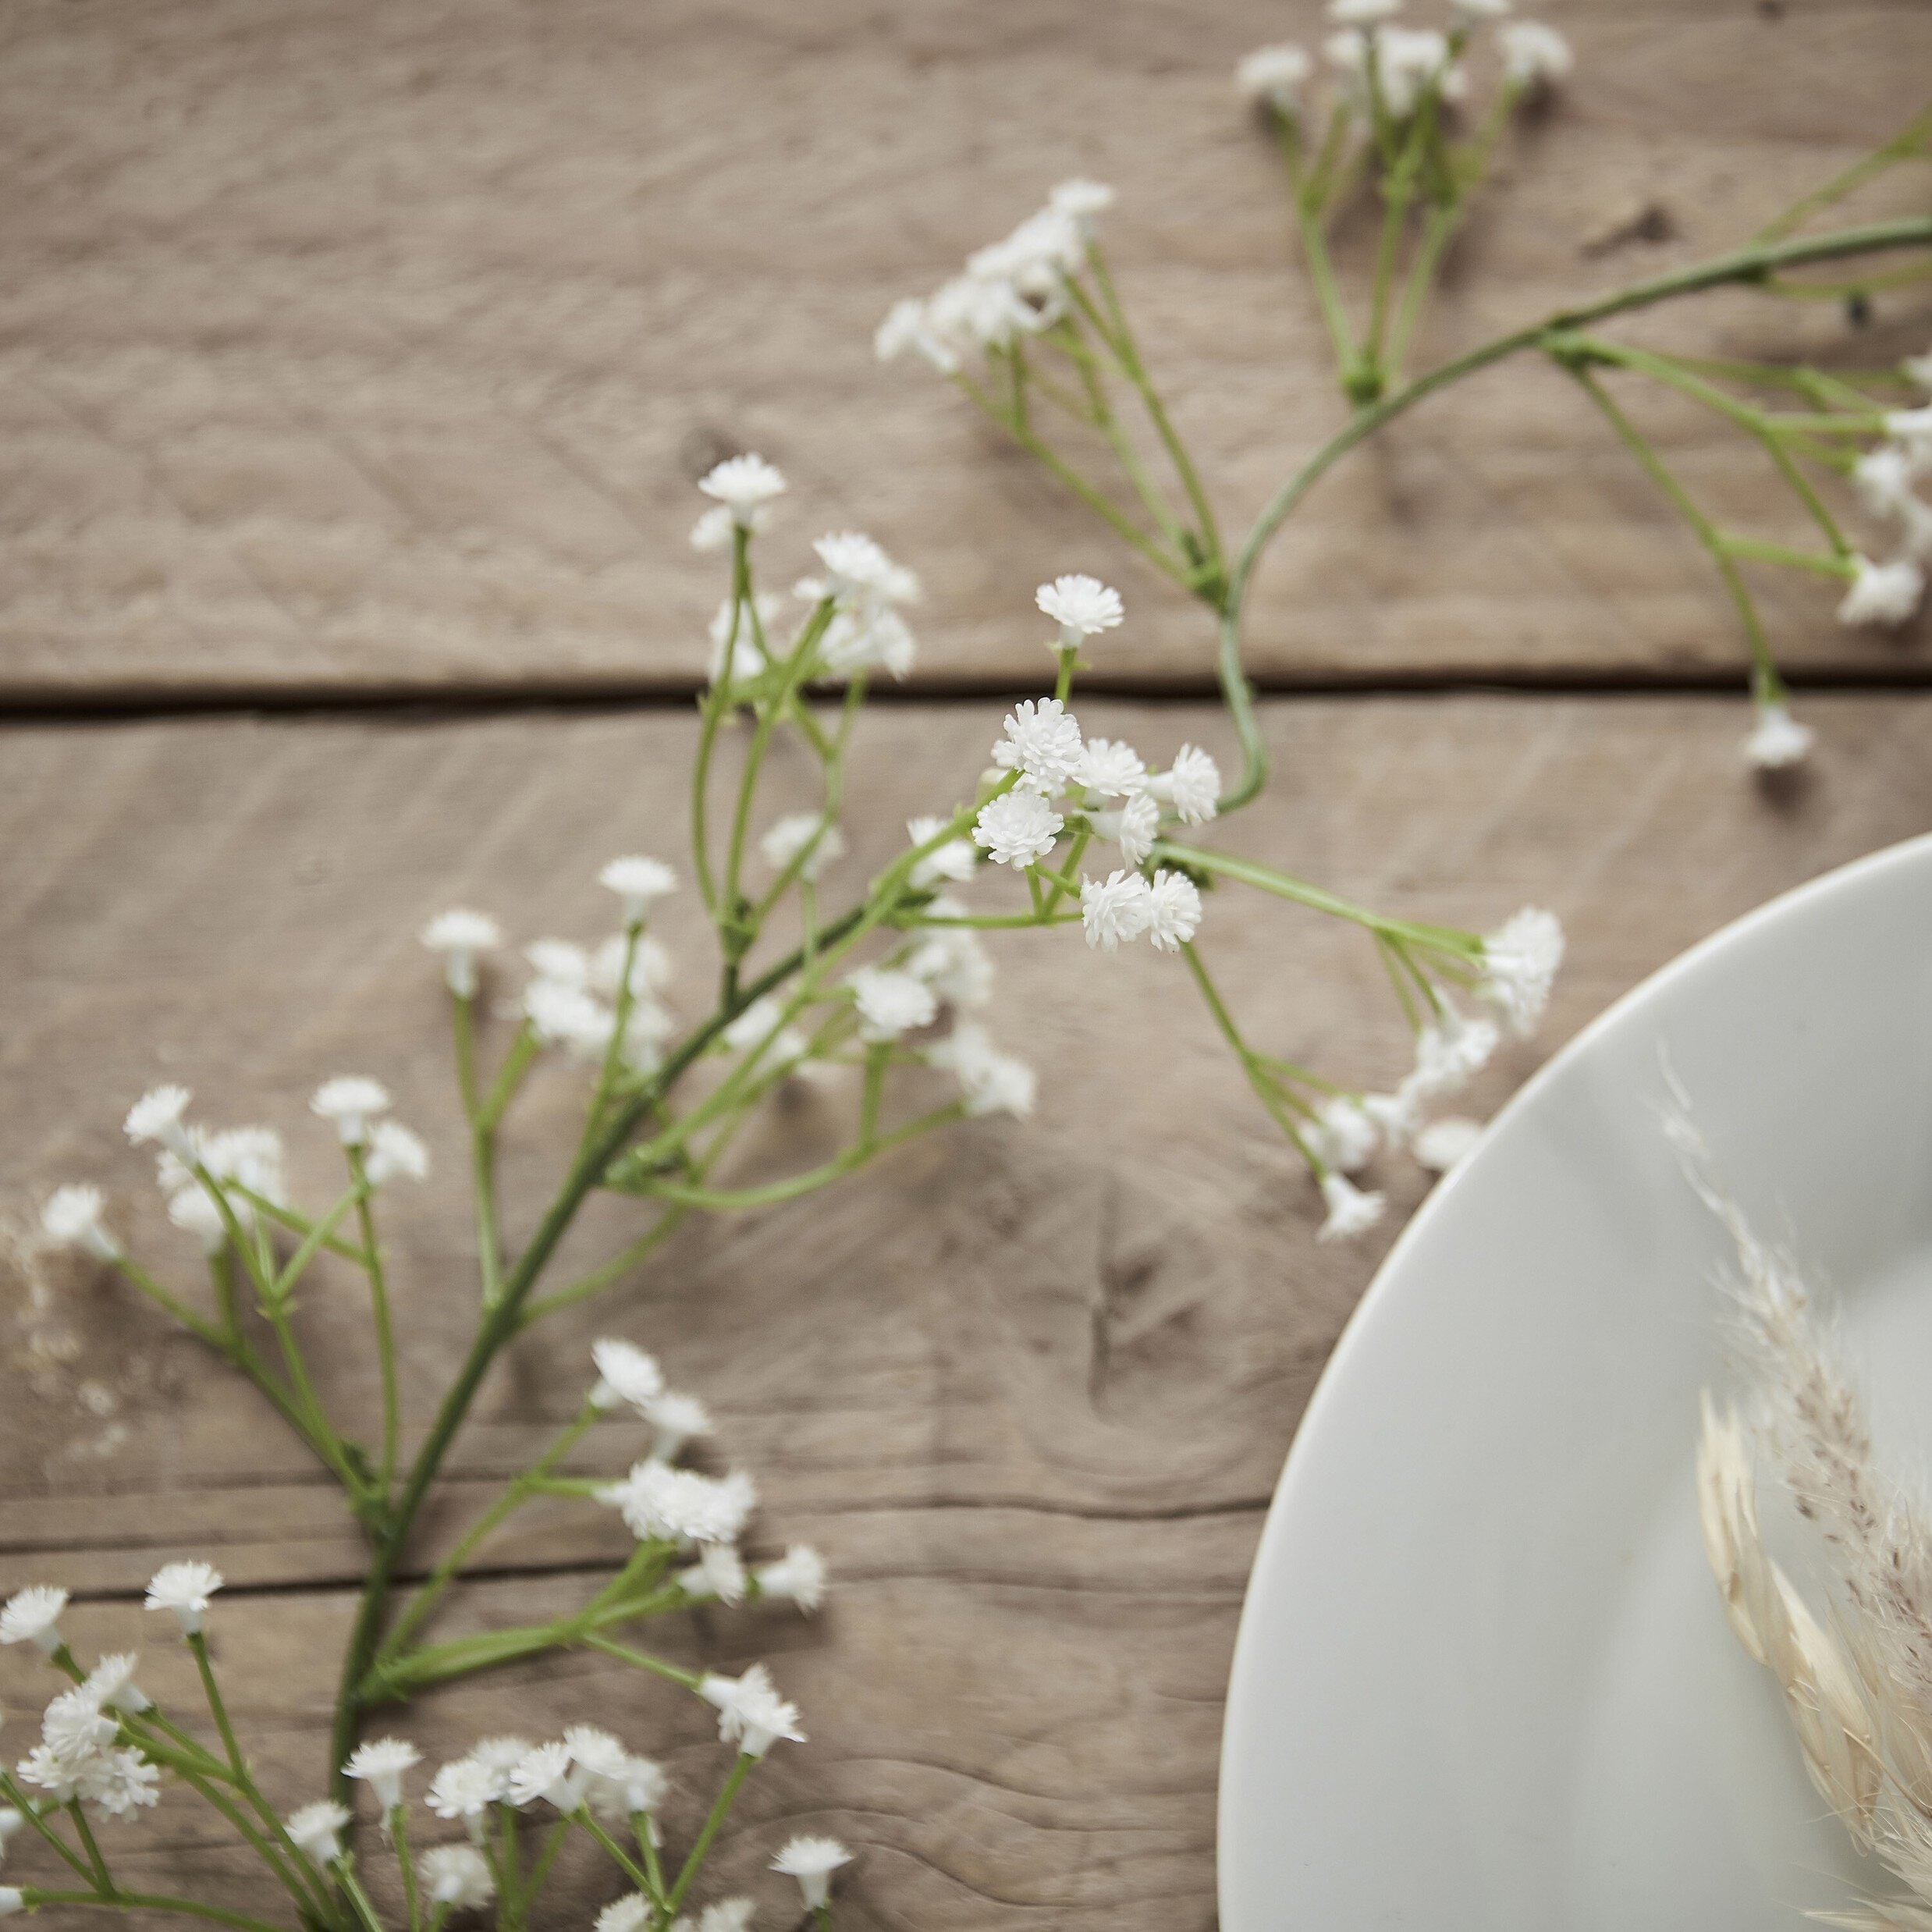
(354, 348)
(1028, 1388)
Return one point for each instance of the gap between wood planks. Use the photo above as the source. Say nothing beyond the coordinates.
(589, 696)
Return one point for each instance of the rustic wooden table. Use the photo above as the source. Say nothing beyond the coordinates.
(356, 362)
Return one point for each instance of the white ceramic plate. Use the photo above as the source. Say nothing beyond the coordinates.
(1483, 1683)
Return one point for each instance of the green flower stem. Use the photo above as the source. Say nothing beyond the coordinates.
(621, 1859)
(1128, 351)
(1751, 263)
(621, 1008)
(716, 704)
(646, 1834)
(198, 1644)
(1398, 192)
(1109, 422)
(859, 1155)
(398, 1823)
(643, 1661)
(319, 1233)
(482, 1146)
(1266, 1090)
(385, 1324)
(149, 1901)
(1248, 872)
(1767, 428)
(1705, 532)
(1759, 550)
(1911, 140)
(1321, 274)
(518, 1063)
(545, 1859)
(28, 1810)
(998, 922)
(285, 1217)
(102, 1876)
(601, 1278)
(1102, 507)
(352, 1886)
(701, 1846)
(514, 1494)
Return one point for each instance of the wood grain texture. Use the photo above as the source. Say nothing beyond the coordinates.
(1028, 1387)
(361, 347)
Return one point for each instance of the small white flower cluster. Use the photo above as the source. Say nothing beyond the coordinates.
(1059, 775)
(572, 1001)
(868, 590)
(241, 1164)
(1885, 480)
(1520, 962)
(84, 1755)
(1375, 58)
(702, 1514)
(1013, 288)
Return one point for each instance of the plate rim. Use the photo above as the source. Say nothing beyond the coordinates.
(1271, 1546)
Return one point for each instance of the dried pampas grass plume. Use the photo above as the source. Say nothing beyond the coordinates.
(1856, 1675)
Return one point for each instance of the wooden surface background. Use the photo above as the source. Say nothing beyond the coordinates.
(352, 355)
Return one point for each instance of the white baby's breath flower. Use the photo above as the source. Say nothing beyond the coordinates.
(395, 1153)
(639, 882)
(157, 1117)
(952, 960)
(1082, 606)
(1362, 12)
(625, 1373)
(664, 1504)
(566, 1016)
(712, 531)
(1911, 430)
(992, 1082)
(33, 1616)
(955, 860)
(871, 636)
(1882, 593)
(1042, 743)
(1351, 1211)
(806, 831)
(12, 1822)
(456, 1876)
(745, 659)
(1445, 1143)
(465, 1789)
(11, 1900)
(633, 1912)
(797, 1576)
(1109, 767)
(743, 484)
(1344, 1138)
(751, 1713)
(907, 328)
(890, 1002)
(111, 1684)
(1191, 785)
(1777, 740)
(1394, 1115)
(719, 1575)
(562, 961)
(1453, 1048)
(856, 567)
(1017, 828)
(382, 1764)
(72, 1218)
(351, 1101)
(1135, 827)
(759, 1025)
(119, 1783)
(727, 1915)
(1116, 908)
(1520, 963)
(1882, 478)
(543, 1776)
(811, 1861)
(677, 1418)
(184, 1588)
(1534, 56)
(75, 1729)
(1274, 75)
(461, 936)
(1173, 911)
(195, 1212)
